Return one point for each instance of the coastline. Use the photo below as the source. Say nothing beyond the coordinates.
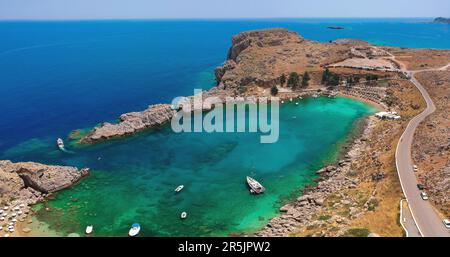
(377, 106)
(331, 179)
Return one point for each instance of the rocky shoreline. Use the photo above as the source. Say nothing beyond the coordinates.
(23, 184)
(243, 69)
(301, 212)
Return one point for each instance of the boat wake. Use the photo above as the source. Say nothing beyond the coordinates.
(61, 147)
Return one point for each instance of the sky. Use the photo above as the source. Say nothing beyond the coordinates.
(200, 9)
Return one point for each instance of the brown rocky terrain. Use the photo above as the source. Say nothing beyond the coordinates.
(359, 195)
(260, 57)
(23, 184)
(30, 182)
(431, 147)
(256, 61)
(418, 59)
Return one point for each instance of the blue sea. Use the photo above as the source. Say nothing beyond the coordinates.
(64, 75)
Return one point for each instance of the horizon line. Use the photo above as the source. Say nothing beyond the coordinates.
(215, 18)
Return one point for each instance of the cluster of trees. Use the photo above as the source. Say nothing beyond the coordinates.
(371, 77)
(330, 79)
(295, 80)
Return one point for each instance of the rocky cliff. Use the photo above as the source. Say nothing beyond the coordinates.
(255, 58)
(259, 57)
(29, 182)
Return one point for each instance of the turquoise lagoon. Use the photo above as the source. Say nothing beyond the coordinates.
(59, 76)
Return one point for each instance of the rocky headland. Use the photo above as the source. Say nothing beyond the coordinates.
(23, 184)
(359, 195)
(30, 182)
(255, 62)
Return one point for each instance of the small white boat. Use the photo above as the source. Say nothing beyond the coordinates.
(134, 230)
(296, 103)
(179, 188)
(60, 143)
(255, 186)
(89, 229)
(183, 215)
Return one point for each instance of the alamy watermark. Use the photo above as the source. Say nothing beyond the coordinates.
(234, 114)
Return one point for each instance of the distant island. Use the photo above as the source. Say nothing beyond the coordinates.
(442, 20)
(335, 27)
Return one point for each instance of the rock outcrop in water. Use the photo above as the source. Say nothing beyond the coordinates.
(130, 123)
(29, 181)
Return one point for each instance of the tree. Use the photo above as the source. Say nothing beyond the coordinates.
(282, 79)
(370, 77)
(274, 90)
(325, 76)
(333, 80)
(305, 79)
(350, 81)
(293, 80)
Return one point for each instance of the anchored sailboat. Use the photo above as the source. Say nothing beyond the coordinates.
(255, 186)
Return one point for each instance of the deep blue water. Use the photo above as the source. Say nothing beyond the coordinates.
(58, 76)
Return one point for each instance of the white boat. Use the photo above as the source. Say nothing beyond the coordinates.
(89, 229)
(134, 230)
(183, 215)
(255, 186)
(60, 143)
(179, 188)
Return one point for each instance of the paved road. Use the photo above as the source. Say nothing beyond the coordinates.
(426, 219)
(407, 221)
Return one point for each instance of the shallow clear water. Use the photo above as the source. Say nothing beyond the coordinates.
(135, 178)
(59, 76)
